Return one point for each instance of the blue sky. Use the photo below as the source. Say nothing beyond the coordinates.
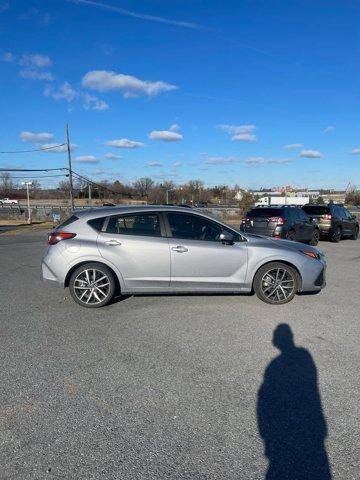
(179, 90)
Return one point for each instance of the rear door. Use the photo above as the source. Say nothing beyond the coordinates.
(307, 225)
(137, 245)
(199, 260)
(348, 221)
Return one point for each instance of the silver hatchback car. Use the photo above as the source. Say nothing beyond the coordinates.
(158, 249)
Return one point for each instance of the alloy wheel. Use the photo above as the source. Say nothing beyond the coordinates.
(91, 286)
(278, 285)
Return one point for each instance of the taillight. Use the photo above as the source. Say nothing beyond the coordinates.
(327, 216)
(278, 220)
(56, 237)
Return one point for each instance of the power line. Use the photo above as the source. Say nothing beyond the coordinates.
(31, 169)
(36, 149)
(45, 176)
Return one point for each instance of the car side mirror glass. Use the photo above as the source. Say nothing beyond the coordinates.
(226, 238)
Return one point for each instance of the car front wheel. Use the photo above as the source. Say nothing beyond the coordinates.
(92, 285)
(276, 283)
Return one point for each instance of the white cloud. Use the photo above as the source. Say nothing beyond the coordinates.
(177, 164)
(153, 164)
(292, 146)
(355, 151)
(86, 159)
(36, 137)
(64, 92)
(93, 103)
(166, 135)
(254, 161)
(35, 60)
(311, 154)
(242, 133)
(112, 156)
(329, 129)
(220, 160)
(53, 148)
(244, 137)
(33, 74)
(124, 143)
(104, 81)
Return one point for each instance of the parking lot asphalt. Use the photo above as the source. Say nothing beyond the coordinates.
(173, 387)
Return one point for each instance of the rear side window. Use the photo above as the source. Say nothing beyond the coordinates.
(316, 209)
(142, 224)
(265, 212)
(97, 223)
(68, 221)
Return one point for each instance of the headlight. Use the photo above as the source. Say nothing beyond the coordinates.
(316, 255)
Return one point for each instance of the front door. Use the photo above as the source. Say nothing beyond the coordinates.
(199, 259)
(135, 244)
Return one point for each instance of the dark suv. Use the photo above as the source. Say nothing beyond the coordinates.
(285, 221)
(335, 221)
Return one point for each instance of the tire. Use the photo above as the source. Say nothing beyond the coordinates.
(290, 235)
(272, 294)
(315, 238)
(335, 235)
(101, 285)
(355, 234)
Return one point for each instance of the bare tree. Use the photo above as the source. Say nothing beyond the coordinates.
(6, 183)
(143, 186)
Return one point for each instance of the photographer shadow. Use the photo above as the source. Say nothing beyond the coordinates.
(291, 421)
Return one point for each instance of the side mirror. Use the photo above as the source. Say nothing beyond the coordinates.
(354, 217)
(226, 238)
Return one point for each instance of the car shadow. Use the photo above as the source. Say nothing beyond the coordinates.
(290, 418)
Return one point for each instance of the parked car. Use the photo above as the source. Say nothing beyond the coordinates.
(8, 201)
(334, 221)
(282, 221)
(161, 249)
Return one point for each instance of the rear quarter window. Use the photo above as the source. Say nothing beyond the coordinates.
(97, 223)
(68, 221)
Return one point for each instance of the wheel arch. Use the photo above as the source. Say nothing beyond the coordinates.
(286, 262)
(84, 262)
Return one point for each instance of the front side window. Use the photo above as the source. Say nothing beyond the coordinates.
(141, 224)
(192, 227)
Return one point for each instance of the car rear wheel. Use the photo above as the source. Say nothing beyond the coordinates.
(355, 234)
(92, 285)
(276, 283)
(315, 238)
(290, 235)
(335, 235)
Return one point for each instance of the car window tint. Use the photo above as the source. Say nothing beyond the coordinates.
(68, 221)
(316, 209)
(265, 212)
(348, 214)
(142, 224)
(97, 223)
(192, 227)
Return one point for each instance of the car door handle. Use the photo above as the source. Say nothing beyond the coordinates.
(112, 242)
(179, 249)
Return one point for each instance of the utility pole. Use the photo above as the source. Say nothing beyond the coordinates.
(70, 169)
(28, 184)
(89, 193)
